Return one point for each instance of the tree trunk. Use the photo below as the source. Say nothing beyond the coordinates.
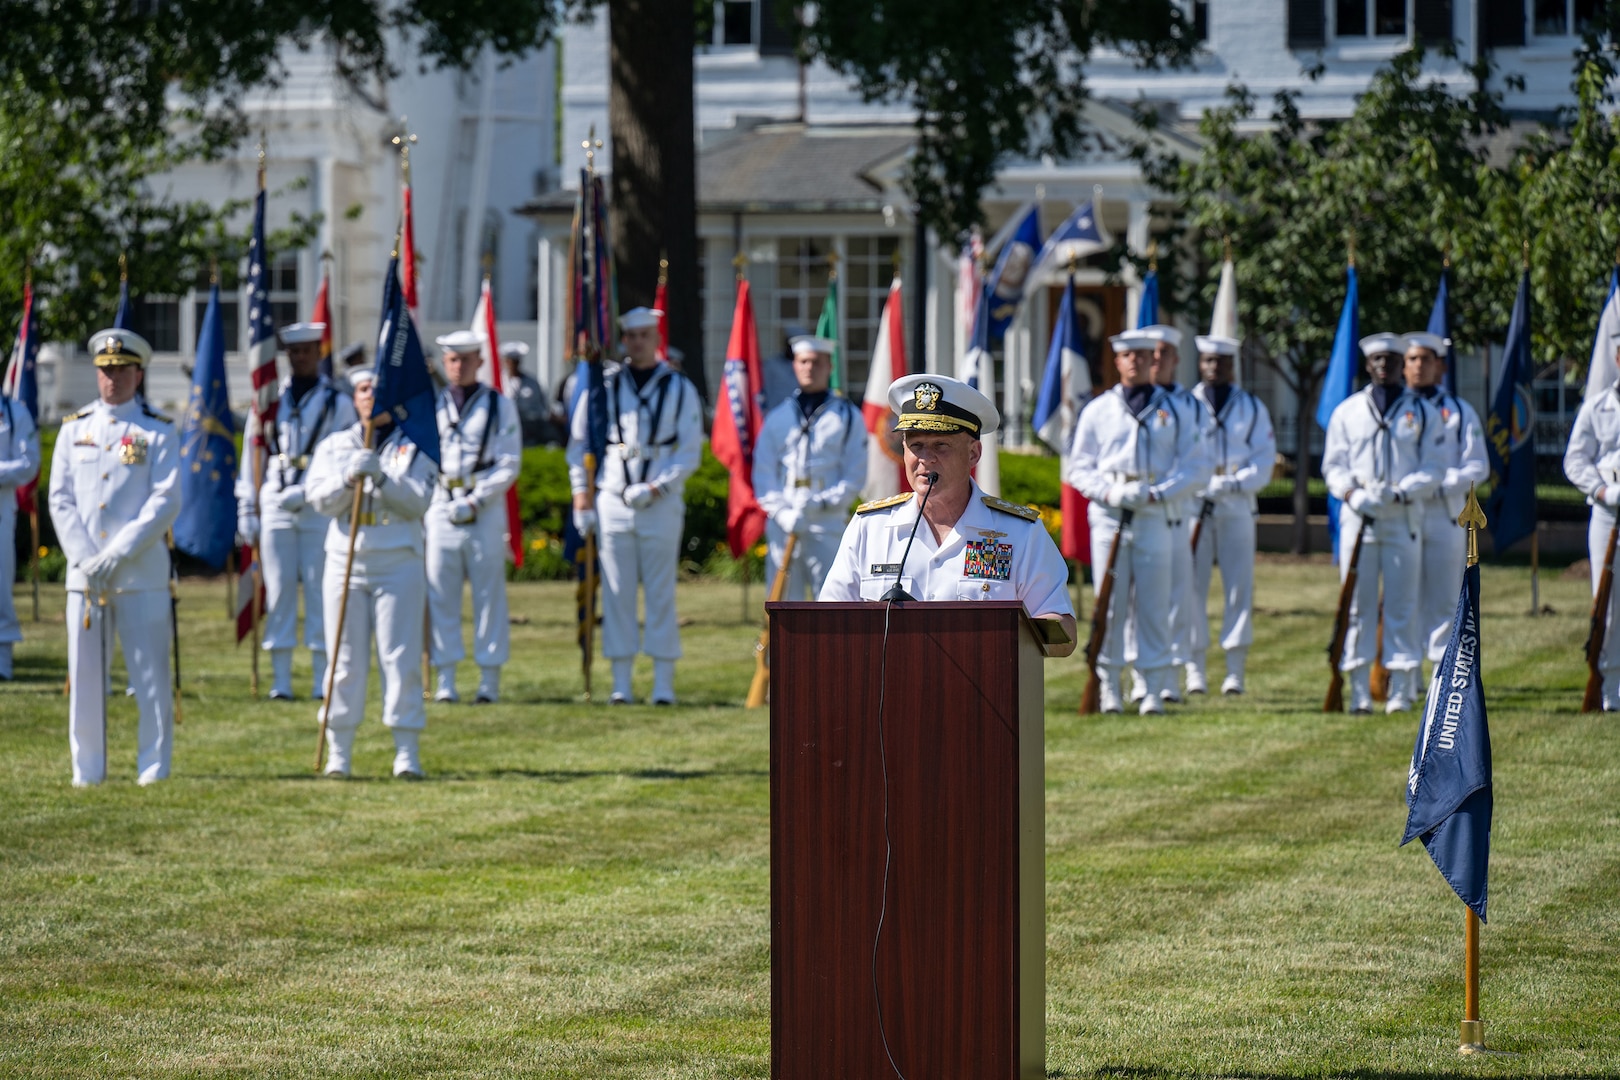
(654, 163)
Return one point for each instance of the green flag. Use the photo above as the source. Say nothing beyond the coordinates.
(827, 327)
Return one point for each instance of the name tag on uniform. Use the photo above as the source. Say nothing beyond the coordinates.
(987, 560)
(885, 569)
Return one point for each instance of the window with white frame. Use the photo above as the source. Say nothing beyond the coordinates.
(1561, 18)
(864, 275)
(868, 270)
(1369, 18)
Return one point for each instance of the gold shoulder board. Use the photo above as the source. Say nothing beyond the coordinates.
(1028, 513)
(80, 415)
(154, 414)
(883, 504)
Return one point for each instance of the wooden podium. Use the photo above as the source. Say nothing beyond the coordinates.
(960, 965)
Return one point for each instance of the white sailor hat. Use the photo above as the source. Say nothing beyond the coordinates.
(353, 353)
(939, 403)
(1422, 339)
(361, 376)
(302, 333)
(1160, 332)
(117, 348)
(514, 350)
(1216, 345)
(640, 318)
(1373, 344)
(1133, 341)
(459, 341)
(812, 344)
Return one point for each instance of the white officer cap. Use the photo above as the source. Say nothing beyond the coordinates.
(1422, 339)
(1216, 345)
(811, 344)
(939, 403)
(1133, 341)
(1373, 344)
(1160, 332)
(117, 348)
(302, 333)
(459, 341)
(361, 376)
(640, 318)
(514, 350)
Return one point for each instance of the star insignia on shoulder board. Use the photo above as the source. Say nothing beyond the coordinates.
(1028, 513)
(883, 504)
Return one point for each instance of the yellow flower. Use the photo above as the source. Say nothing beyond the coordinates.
(537, 545)
(759, 551)
(44, 552)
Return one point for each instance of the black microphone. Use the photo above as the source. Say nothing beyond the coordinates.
(895, 591)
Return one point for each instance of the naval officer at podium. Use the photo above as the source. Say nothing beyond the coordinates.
(975, 546)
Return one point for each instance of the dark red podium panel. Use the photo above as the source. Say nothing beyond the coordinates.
(960, 965)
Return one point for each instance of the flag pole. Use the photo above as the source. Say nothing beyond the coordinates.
(257, 566)
(1472, 1032)
(33, 550)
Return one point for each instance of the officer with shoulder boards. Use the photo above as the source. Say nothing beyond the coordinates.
(1592, 463)
(291, 533)
(19, 464)
(1241, 446)
(809, 466)
(655, 441)
(1380, 459)
(968, 545)
(114, 494)
(480, 455)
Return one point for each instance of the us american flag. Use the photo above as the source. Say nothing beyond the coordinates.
(261, 330)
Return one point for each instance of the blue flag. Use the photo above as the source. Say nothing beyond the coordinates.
(1448, 789)
(404, 389)
(206, 527)
(1056, 407)
(1340, 380)
(123, 319)
(1147, 312)
(978, 351)
(1005, 289)
(1510, 430)
(1080, 235)
(1440, 326)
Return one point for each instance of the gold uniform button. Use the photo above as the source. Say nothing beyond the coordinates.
(103, 506)
(104, 534)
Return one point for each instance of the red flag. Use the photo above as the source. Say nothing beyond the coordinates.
(323, 315)
(244, 592)
(22, 387)
(484, 326)
(661, 305)
(736, 426)
(885, 471)
(407, 258)
(1076, 541)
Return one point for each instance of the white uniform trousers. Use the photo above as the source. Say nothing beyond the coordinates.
(292, 548)
(10, 628)
(140, 622)
(1141, 588)
(1597, 546)
(1184, 605)
(475, 553)
(1227, 540)
(1393, 553)
(387, 596)
(640, 547)
(813, 557)
(1444, 558)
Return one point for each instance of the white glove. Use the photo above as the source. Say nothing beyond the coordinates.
(1129, 495)
(1219, 485)
(639, 496)
(1363, 501)
(365, 463)
(1453, 480)
(585, 522)
(98, 571)
(292, 498)
(247, 530)
(462, 512)
(790, 519)
(1610, 496)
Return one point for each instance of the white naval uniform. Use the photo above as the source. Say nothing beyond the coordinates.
(19, 463)
(814, 466)
(115, 489)
(995, 551)
(1160, 449)
(1592, 463)
(387, 588)
(1396, 453)
(1462, 462)
(292, 540)
(654, 437)
(480, 454)
(1242, 448)
(1184, 605)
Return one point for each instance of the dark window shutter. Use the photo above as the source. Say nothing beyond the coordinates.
(1431, 21)
(1501, 23)
(777, 28)
(1307, 24)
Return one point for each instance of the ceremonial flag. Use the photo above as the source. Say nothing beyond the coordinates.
(1601, 372)
(261, 332)
(827, 327)
(661, 305)
(207, 523)
(1081, 234)
(1448, 788)
(323, 315)
(1065, 386)
(123, 318)
(1510, 432)
(968, 280)
(22, 383)
(885, 470)
(1223, 321)
(403, 388)
(407, 253)
(977, 368)
(483, 325)
(1440, 326)
(1007, 281)
(1147, 312)
(736, 426)
(247, 574)
(1340, 379)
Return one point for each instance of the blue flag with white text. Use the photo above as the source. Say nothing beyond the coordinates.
(1510, 432)
(1440, 326)
(1340, 381)
(1448, 788)
(404, 388)
(1004, 291)
(206, 527)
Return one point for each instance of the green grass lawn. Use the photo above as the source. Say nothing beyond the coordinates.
(579, 892)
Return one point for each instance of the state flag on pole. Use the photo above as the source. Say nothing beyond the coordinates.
(207, 522)
(977, 368)
(22, 383)
(123, 318)
(1065, 387)
(249, 570)
(885, 469)
(1510, 432)
(1147, 311)
(1081, 235)
(403, 388)
(1340, 378)
(1601, 372)
(661, 305)
(483, 325)
(323, 315)
(736, 426)
(1448, 788)
(1020, 242)
(407, 255)
(827, 327)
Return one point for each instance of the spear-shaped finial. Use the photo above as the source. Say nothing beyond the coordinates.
(405, 140)
(740, 261)
(123, 266)
(1527, 253)
(663, 268)
(213, 270)
(1226, 247)
(1153, 256)
(1472, 518)
(1350, 246)
(1445, 255)
(832, 266)
(263, 150)
(489, 264)
(591, 144)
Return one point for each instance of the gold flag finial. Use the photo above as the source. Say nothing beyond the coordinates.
(1226, 247)
(1153, 256)
(1350, 246)
(263, 150)
(404, 140)
(663, 268)
(123, 266)
(740, 261)
(1527, 253)
(1472, 519)
(591, 144)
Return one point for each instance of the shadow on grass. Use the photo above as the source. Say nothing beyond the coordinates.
(550, 776)
(1464, 1070)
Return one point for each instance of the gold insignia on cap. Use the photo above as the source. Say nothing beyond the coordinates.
(113, 344)
(926, 398)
